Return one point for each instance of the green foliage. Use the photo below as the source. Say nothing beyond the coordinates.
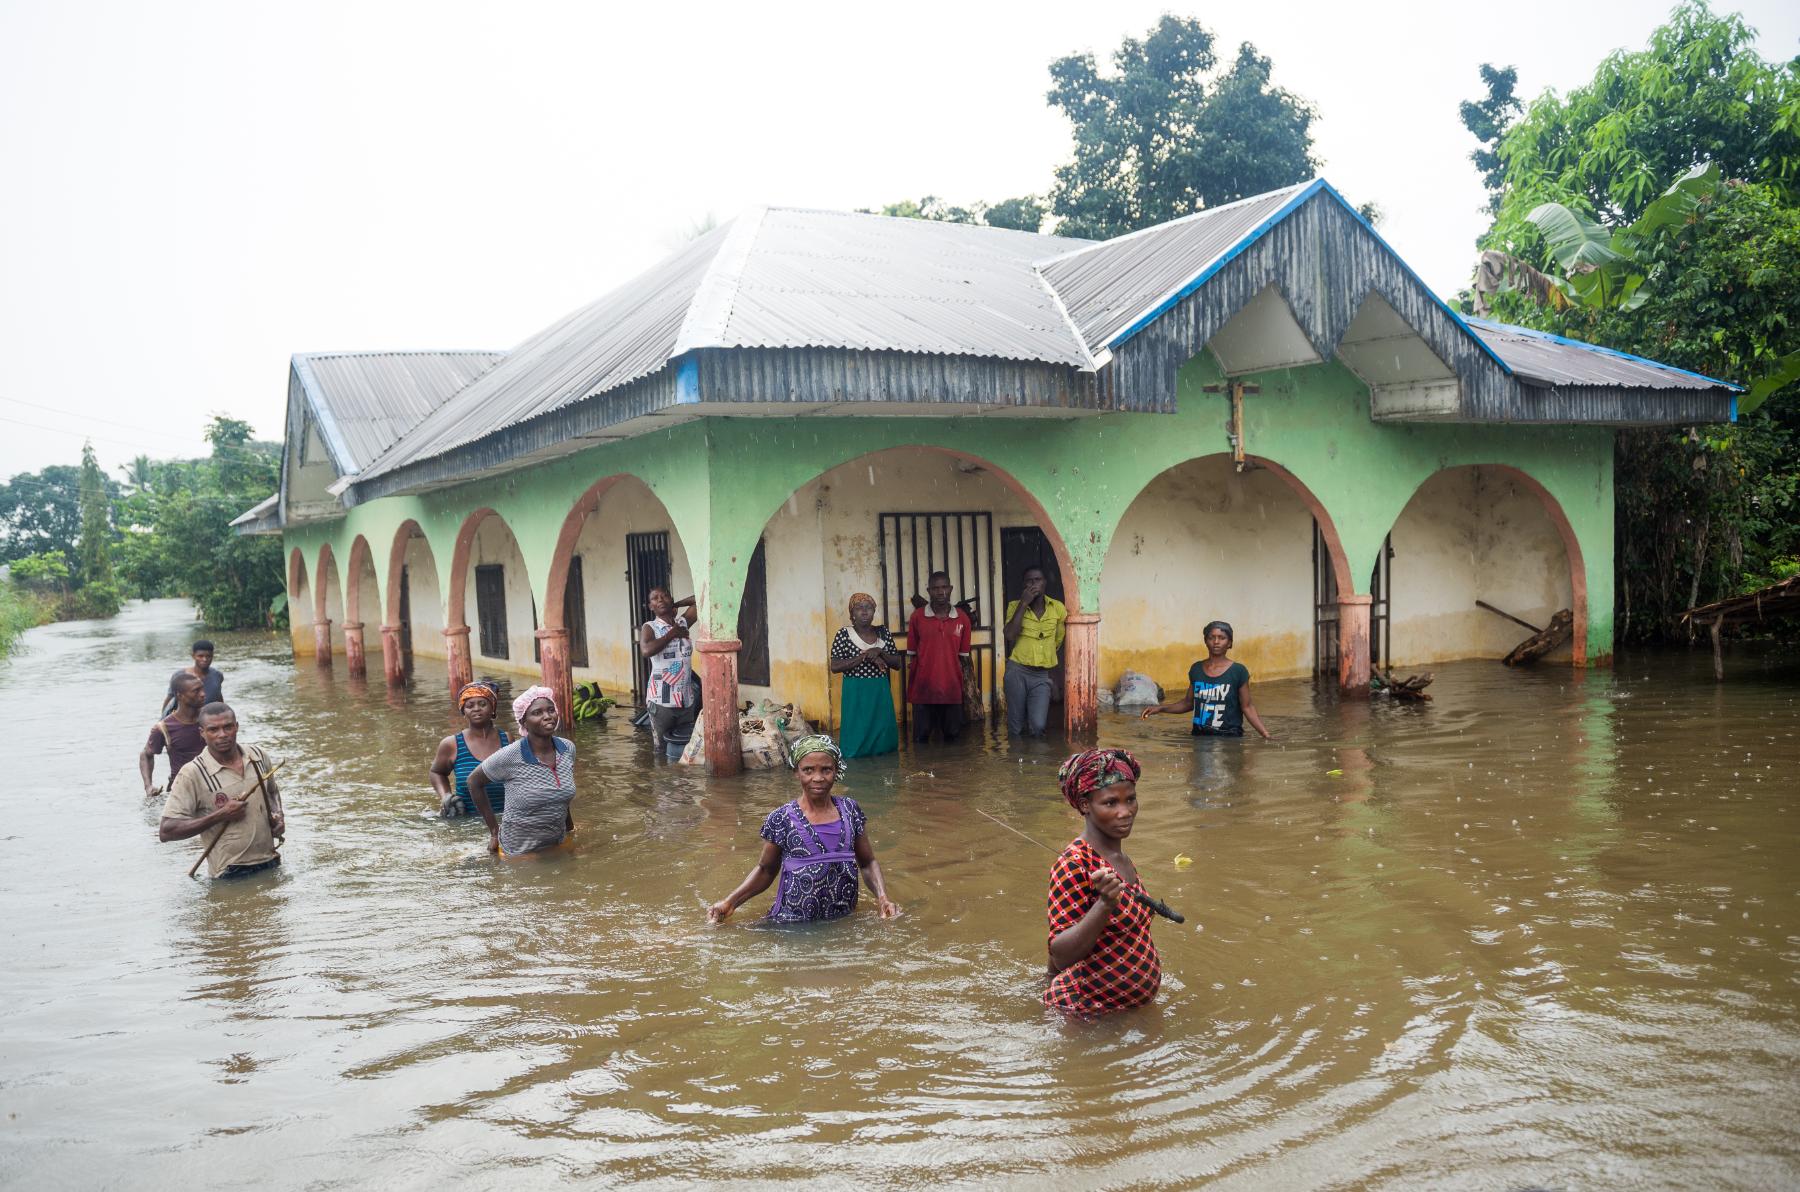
(278, 612)
(179, 540)
(1487, 119)
(41, 511)
(96, 523)
(20, 609)
(590, 704)
(46, 571)
(1023, 214)
(1162, 135)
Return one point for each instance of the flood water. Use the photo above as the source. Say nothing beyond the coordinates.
(1544, 931)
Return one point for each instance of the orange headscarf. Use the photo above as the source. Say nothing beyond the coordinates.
(481, 689)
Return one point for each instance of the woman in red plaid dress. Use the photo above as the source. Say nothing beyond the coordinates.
(1101, 955)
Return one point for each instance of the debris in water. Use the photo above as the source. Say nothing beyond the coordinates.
(1182, 860)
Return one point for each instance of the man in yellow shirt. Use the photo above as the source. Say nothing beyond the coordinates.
(1034, 634)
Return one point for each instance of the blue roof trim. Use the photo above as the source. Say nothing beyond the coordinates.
(1224, 259)
(1260, 230)
(687, 381)
(1533, 333)
(334, 439)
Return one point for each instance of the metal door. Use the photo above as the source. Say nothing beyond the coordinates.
(1325, 609)
(913, 545)
(646, 567)
(406, 655)
(575, 613)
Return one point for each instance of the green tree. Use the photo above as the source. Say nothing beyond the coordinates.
(1706, 511)
(96, 521)
(1162, 136)
(1022, 214)
(40, 511)
(1487, 119)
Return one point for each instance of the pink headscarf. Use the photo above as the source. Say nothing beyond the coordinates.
(529, 696)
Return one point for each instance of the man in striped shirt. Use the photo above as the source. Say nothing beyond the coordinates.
(217, 793)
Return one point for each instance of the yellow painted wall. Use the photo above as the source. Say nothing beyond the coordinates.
(1468, 534)
(334, 604)
(1202, 543)
(300, 619)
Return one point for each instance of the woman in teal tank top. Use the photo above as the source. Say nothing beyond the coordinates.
(458, 755)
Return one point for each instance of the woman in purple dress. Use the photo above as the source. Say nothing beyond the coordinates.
(816, 845)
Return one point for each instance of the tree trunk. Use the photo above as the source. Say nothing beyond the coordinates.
(1558, 631)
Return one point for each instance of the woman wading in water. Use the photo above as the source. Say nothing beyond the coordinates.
(539, 772)
(864, 655)
(1218, 691)
(458, 755)
(816, 845)
(1101, 955)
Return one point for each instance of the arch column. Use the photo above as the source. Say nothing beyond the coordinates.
(1081, 674)
(1353, 643)
(322, 642)
(456, 651)
(353, 649)
(393, 663)
(719, 681)
(554, 673)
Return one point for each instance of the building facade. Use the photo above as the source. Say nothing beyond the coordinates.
(1255, 414)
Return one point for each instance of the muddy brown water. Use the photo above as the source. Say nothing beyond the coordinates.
(1544, 931)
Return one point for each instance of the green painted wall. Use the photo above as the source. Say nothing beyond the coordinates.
(722, 478)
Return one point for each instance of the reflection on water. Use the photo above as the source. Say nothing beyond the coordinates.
(1542, 930)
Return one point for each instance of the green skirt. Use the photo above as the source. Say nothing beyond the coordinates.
(866, 721)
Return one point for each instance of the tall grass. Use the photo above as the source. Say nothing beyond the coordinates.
(19, 611)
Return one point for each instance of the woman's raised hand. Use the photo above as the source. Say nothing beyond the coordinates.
(1109, 886)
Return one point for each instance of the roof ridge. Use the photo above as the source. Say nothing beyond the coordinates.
(709, 310)
(1191, 217)
(362, 352)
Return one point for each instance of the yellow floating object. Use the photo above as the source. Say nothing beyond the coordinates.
(1334, 773)
(1182, 860)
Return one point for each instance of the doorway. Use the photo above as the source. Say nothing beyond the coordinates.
(406, 654)
(753, 622)
(1325, 609)
(912, 546)
(646, 567)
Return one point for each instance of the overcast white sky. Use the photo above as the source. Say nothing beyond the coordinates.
(192, 192)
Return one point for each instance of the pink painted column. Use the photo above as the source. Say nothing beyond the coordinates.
(1081, 675)
(322, 643)
(456, 651)
(393, 662)
(553, 668)
(1353, 644)
(718, 678)
(353, 649)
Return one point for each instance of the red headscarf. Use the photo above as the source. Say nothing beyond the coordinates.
(1086, 772)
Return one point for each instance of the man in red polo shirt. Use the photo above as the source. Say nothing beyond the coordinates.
(938, 638)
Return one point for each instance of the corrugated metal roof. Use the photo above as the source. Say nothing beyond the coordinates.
(623, 337)
(261, 510)
(366, 401)
(827, 279)
(1112, 286)
(1537, 356)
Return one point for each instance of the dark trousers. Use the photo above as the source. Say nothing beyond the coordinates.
(947, 719)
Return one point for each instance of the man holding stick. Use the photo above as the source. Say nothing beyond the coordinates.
(225, 793)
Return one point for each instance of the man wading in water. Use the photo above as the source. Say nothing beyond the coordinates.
(211, 678)
(179, 733)
(216, 793)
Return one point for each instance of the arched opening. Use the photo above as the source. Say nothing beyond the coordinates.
(490, 592)
(414, 604)
(300, 605)
(1485, 532)
(362, 599)
(881, 523)
(328, 598)
(617, 542)
(1205, 542)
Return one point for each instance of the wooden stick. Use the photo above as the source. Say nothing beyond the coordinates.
(262, 776)
(1509, 616)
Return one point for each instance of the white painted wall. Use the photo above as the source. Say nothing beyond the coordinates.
(494, 543)
(368, 605)
(300, 617)
(425, 602)
(1203, 543)
(824, 544)
(1469, 534)
(334, 604)
(628, 507)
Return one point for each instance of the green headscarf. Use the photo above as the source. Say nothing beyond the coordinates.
(814, 743)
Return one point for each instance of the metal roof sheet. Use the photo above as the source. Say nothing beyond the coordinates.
(366, 401)
(257, 512)
(1538, 356)
(626, 335)
(1112, 287)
